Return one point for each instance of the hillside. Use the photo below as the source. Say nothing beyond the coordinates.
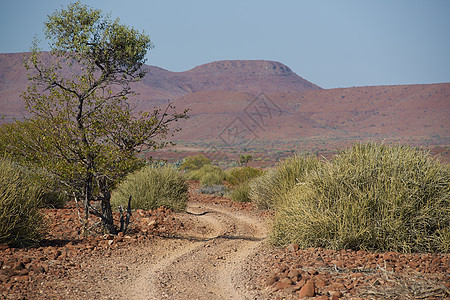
(257, 105)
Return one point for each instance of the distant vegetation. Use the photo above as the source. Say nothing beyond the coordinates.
(152, 187)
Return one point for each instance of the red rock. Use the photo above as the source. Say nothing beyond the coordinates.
(272, 279)
(336, 295)
(292, 247)
(308, 290)
(281, 285)
(335, 286)
(320, 283)
(286, 280)
(323, 297)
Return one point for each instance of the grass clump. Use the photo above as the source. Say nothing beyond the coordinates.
(269, 190)
(208, 175)
(21, 223)
(241, 178)
(370, 197)
(152, 187)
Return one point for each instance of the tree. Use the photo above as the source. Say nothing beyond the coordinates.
(245, 159)
(82, 128)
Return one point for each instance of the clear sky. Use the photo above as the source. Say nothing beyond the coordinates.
(328, 42)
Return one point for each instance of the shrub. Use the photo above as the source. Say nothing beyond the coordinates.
(21, 224)
(194, 162)
(218, 190)
(370, 196)
(244, 174)
(268, 190)
(241, 193)
(208, 175)
(152, 187)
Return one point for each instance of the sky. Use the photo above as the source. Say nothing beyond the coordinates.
(330, 43)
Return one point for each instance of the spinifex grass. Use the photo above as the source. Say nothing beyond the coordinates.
(152, 187)
(21, 224)
(370, 197)
(269, 190)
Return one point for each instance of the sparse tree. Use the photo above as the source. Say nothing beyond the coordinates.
(82, 128)
(245, 159)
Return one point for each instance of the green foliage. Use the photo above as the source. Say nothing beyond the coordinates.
(82, 128)
(208, 175)
(241, 193)
(245, 159)
(194, 162)
(387, 198)
(242, 175)
(152, 187)
(21, 224)
(268, 190)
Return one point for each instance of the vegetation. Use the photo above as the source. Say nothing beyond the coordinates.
(153, 187)
(21, 224)
(208, 175)
(82, 128)
(245, 159)
(242, 175)
(194, 162)
(268, 191)
(388, 198)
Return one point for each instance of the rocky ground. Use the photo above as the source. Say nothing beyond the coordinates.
(215, 250)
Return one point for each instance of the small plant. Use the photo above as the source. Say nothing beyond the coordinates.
(194, 162)
(21, 224)
(208, 175)
(244, 174)
(218, 190)
(152, 187)
(241, 193)
(370, 197)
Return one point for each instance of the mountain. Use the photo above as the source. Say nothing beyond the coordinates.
(262, 105)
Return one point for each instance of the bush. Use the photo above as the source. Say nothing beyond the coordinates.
(194, 162)
(370, 197)
(208, 175)
(152, 187)
(268, 190)
(240, 175)
(241, 193)
(218, 190)
(21, 224)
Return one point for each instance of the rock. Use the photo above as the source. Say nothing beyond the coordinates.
(336, 295)
(294, 273)
(320, 283)
(19, 266)
(292, 247)
(281, 285)
(272, 279)
(336, 286)
(323, 297)
(286, 280)
(308, 290)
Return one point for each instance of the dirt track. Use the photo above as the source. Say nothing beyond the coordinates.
(208, 261)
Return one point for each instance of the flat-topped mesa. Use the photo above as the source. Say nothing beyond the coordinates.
(246, 75)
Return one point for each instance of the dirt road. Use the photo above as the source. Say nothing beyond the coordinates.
(211, 260)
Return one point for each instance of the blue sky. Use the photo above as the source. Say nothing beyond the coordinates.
(330, 43)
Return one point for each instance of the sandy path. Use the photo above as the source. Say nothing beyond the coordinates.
(204, 263)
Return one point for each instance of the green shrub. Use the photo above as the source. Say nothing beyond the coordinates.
(152, 187)
(388, 198)
(268, 190)
(194, 162)
(240, 175)
(21, 223)
(208, 175)
(241, 193)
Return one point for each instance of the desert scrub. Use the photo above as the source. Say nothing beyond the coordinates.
(269, 190)
(21, 223)
(241, 175)
(208, 175)
(371, 196)
(152, 187)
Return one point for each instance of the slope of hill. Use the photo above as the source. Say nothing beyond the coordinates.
(264, 105)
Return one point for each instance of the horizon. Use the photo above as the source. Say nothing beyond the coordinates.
(332, 45)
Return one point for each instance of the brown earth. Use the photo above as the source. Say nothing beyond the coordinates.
(217, 249)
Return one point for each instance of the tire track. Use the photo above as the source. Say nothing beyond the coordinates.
(206, 262)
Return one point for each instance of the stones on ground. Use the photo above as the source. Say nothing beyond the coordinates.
(308, 290)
